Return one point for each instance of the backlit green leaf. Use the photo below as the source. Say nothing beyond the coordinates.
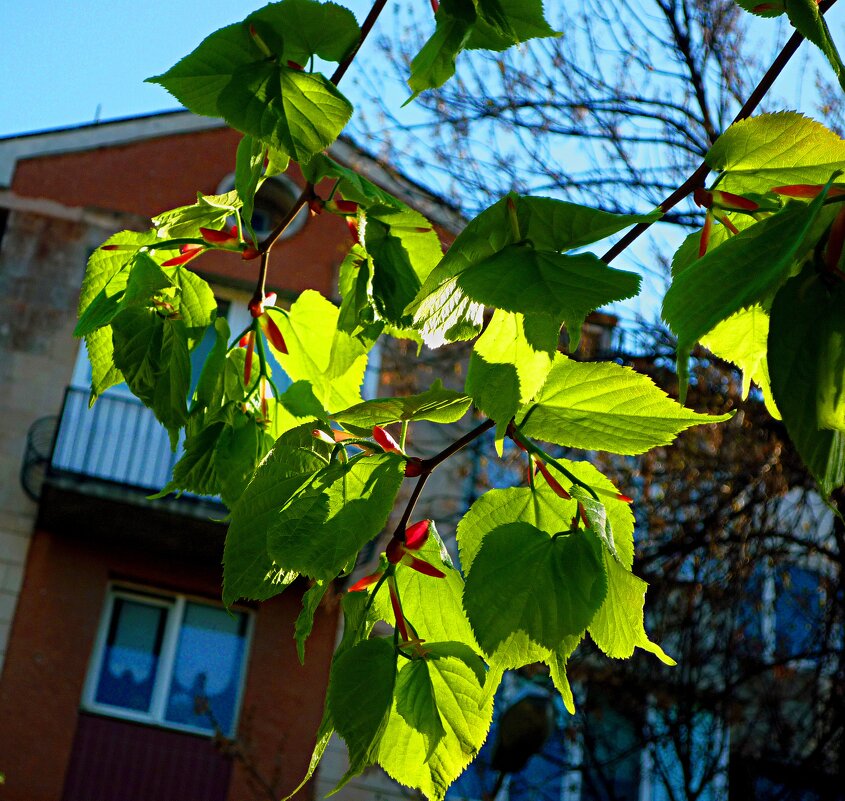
(604, 406)
(523, 579)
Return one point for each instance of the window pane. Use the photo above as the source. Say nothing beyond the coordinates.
(207, 671)
(799, 614)
(130, 659)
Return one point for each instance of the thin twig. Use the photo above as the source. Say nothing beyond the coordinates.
(697, 178)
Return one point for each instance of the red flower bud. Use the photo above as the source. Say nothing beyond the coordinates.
(315, 206)
(346, 206)
(250, 347)
(435, 4)
(250, 253)
(705, 234)
(416, 535)
(551, 480)
(387, 442)
(294, 66)
(187, 252)
(365, 582)
(321, 435)
(273, 334)
(807, 191)
(421, 566)
(214, 237)
(352, 225)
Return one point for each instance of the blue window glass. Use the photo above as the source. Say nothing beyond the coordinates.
(207, 670)
(131, 655)
(799, 612)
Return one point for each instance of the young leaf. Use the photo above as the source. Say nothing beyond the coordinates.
(742, 339)
(331, 360)
(305, 621)
(547, 586)
(249, 173)
(775, 150)
(416, 703)
(796, 341)
(359, 698)
(321, 530)
(297, 112)
(247, 567)
(512, 22)
(436, 404)
(617, 627)
(465, 709)
(351, 185)
(737, 274)
(604, 406)
(566, 288)
(443, 311)
(210, 211)
(510, 362)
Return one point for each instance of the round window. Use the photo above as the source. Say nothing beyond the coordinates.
(272, 203)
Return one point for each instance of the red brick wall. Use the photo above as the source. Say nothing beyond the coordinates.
(154, 175)
(52, 637)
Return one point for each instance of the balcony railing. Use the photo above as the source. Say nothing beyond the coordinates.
(117, 441)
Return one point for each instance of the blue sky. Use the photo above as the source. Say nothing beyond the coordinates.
(61, 60)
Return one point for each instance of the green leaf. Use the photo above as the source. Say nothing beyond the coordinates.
(305, 621)
(404, 249)
(301, 28)
(322, 529)
(308, 28)
(776, 150)
(465, 709)
(757, 8)
(198, 79)
(299, 113)
(742, 339)
(416, 703)
(437, 404)
(524, 20)
(617, 627)
(197, 304)
(521, 279)
(195, 471)
(104, 306)
(606, 407)
(737, 274)
(351, 185)
(240, 448)
(557, 670)
(510, 362)
(523, 579)
(211, 375)
(799, 371)
(359, 698)
(443, 311)
(173, 379)
(146, 280)
(331, 360)
(210, 211)
(597, 517)
(102, 267)
(435, 63)
(249, 173)
(138, 335)
(248, 569)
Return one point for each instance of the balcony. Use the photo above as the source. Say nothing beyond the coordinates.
(115, 449)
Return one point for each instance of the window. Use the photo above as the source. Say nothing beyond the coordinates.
(273, 201)
(168, 660)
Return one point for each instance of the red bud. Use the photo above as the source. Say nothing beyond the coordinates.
(250, 253)
(214, 237)
(346, 206)
(250, 347)
(386, 441)
(365, 582)
(552, 481)
(421, 566)
(394, 551)
(352, 225)
(187, 252)
(705, 234)
(807, 191)
(416, 535)
(294, 66)
(274, 335)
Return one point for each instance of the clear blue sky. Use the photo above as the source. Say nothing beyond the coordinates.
(61, 59)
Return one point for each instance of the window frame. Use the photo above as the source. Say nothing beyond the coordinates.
(176, 604)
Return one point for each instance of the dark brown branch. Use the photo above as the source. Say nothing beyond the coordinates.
(697, 178)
